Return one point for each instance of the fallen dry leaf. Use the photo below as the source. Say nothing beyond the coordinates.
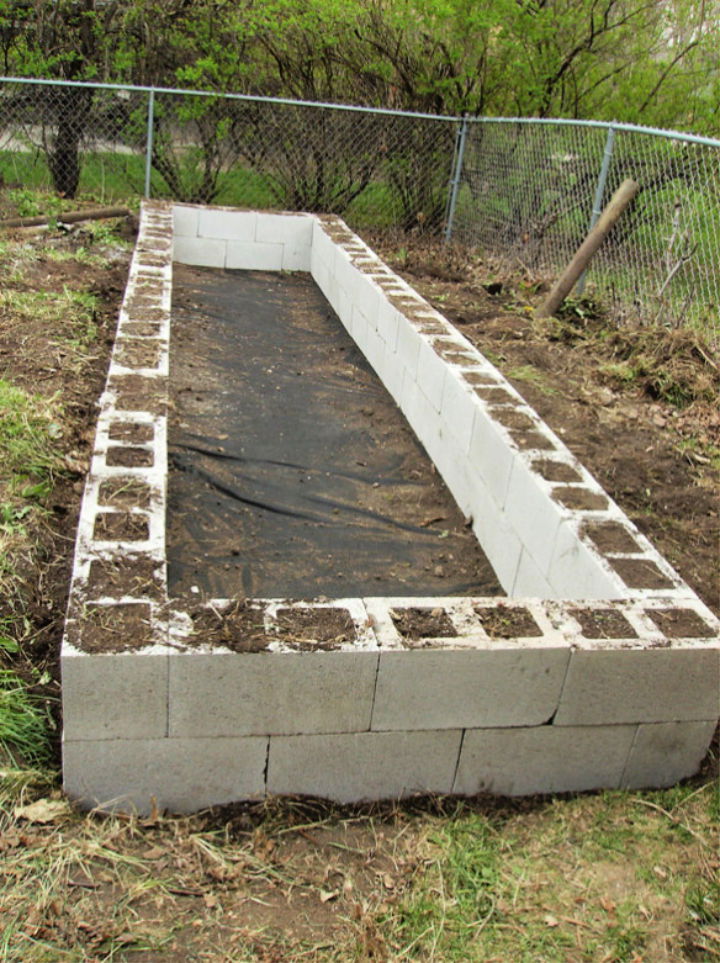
(43, 811)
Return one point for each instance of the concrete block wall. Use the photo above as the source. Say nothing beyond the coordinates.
(602, 669)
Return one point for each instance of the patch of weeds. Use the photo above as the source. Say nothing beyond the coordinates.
(582, 310)
(676, 367)
(621, 372)
(703, 901)
(532, 376)
(29, 203)
(453, 898)
(26, 442)
(79, 255)
(24, 729)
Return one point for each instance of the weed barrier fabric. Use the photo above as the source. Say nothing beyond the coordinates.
(292, 471)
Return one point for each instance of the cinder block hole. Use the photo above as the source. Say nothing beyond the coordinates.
(599, 623)
(416, 623)
(132, 432)
(129, 457)
(508, 622)
(124, 492)
(121, 527)
(680, 623)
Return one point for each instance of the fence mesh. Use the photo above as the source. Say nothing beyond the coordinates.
(523, 191)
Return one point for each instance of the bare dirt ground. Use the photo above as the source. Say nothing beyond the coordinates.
(614, 877)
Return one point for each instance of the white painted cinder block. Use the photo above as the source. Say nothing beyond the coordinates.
(612, 686)
(374, 351)
(295, 230)
(535, 513)
(251, 256)
(388, 322)
(121, 696)
(544, 759)
(178, 775)
(491, 455)
(229, 694)
(420, 415)
(408, 346)
(431, 372)
(443, 689)
(227, 225)
(458, 409)
(185, 221)
(498, 538)
(202, 252)
(342, 305)
(577, 573)
(529, 580)
(663, 753)
(370, 765)
(458, 474)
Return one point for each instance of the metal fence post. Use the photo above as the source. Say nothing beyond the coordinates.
(599, 193)
(455, 176)
(149, 140)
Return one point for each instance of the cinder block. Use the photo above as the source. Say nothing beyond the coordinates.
(577, 573)
(358, 327)
(321, 252)
(544, 759)
(293, 230)
(393, 376)
(538, 516)
(223, 694)
(251, 256)
(458, 474)
(491, 455)
(369, 298)
(420, 415)
(227, 225)
(498, 538)
(612, 686)
(408, 345)
(387, 324)
(322, 277)
(295, 258)
(120, 696)
(444, 689)
(374, 351)
(179, 775)
(370, 765)
(458, 409)
(202, 252)
(184, 220)
(666, 752)
(431, 374)
(529, 580)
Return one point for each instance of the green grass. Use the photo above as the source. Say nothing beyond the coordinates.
(27, 428)
(24, 722)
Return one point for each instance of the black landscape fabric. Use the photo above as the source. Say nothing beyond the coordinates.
(292, 472)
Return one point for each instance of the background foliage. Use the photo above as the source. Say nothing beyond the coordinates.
(655, 63)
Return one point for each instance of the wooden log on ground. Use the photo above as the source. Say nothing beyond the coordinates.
(609, 217)
(69, 217)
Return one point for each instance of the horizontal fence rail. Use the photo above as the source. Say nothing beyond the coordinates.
(524, 190)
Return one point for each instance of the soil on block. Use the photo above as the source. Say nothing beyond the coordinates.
(292, 472)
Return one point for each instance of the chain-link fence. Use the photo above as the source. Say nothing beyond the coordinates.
(521, 189)
(530, 190)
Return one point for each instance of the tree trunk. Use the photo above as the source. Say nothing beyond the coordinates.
(72, 105)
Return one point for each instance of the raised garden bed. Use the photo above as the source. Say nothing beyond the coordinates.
(600, 669)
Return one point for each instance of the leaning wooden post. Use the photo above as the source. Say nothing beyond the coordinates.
(564, 285)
